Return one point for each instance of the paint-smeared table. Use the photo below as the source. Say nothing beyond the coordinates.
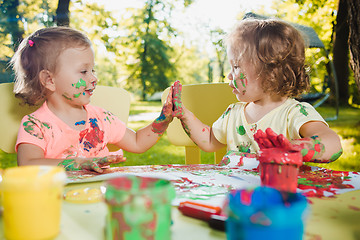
(334, 198)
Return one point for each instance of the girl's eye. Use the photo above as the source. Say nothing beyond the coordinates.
(84, 72)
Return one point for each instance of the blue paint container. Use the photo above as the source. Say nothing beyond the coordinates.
(265, 213)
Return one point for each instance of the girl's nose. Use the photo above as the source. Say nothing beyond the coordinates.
(94, 79)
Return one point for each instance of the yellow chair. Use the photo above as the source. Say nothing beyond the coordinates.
(207, 102)
(115, 100)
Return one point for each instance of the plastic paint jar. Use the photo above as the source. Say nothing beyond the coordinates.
(138, 208)
(265, 213)
(32, 198)
(279, 168)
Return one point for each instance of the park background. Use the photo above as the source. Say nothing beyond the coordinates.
(145, 45)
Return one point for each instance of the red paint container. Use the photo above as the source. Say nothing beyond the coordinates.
(279, 168)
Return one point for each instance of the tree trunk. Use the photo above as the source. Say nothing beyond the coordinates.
(62, 13)
(354, 39)
(341, 52)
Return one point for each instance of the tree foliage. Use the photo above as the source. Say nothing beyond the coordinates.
(217, 36)
(137, 52)
(147, 39)
(324, 17)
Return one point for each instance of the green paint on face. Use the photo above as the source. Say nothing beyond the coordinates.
(235, 84)
(80, 83)
(68, 98)
(77, 95)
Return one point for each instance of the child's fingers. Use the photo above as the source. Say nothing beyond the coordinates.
(178, 110)
(273, 137)
(286, 144)
(96, 168)
(117, 158)
(260, 137)
(121, 159)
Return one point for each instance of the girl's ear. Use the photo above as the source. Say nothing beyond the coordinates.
(47, 80)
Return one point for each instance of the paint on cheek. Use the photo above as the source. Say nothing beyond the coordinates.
(243, 80)
(80, 83)
(235, 84)
(67, 97)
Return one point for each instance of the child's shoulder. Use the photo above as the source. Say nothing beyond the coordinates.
(295, 104)
(300, 109)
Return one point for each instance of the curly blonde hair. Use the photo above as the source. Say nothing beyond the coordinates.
(277, 52)
(38, 52)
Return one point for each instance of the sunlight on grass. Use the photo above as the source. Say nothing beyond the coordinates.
(137, 107)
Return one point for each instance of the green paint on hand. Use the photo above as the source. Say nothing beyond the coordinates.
(336, 155)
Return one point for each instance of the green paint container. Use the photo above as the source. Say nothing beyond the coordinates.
(138, 208)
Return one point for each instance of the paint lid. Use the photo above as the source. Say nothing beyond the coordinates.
(32, 178)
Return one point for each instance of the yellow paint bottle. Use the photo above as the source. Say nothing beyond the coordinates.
(32, 198)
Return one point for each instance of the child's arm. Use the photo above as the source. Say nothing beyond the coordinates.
(29, 154)
(319, 142)
(145, 138)
(200, 133)
(319, 136)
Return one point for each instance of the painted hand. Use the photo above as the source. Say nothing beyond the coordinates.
(93, 164)
(310, 148)
(178, 107)
(269, 139)
(166, 116)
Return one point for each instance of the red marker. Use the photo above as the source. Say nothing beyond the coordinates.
(198, 210)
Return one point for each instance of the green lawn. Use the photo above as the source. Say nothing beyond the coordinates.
(347, 126)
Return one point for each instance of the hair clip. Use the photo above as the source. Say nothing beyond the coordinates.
(31, 43)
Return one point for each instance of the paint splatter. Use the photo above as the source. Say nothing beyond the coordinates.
(241, 130)
(302, 109)
(80, 83)
(80, 123)
(33, 126)
(93, 136)
(253, 128)
(109, 116)
(67, 97)
(227, 111)
(244, 147)
(243, 80)
(354, 208)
